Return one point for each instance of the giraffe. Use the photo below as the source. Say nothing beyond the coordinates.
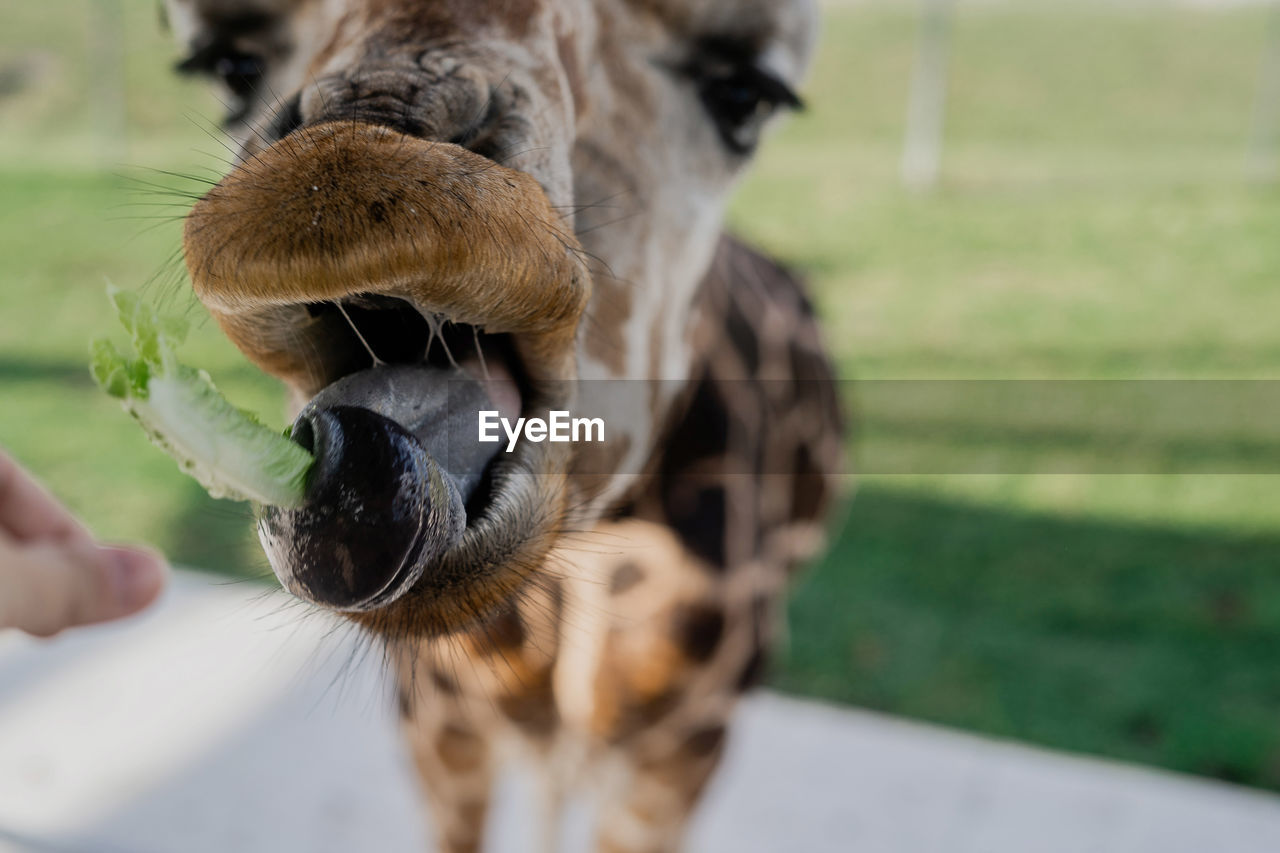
(532, 193)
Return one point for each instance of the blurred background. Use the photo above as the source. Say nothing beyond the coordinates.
(1093, 199)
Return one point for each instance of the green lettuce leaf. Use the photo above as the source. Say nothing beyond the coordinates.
(225, 448)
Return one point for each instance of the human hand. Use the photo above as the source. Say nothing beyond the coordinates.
(52, 573)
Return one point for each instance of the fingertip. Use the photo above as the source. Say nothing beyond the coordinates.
(136, 576)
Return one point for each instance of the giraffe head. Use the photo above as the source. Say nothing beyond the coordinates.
(519, 191)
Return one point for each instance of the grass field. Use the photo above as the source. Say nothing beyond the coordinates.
(1093, 223)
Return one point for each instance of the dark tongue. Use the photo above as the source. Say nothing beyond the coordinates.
(436, 405)
(397, 457)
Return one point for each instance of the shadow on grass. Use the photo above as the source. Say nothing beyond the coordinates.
(999, 448)
(16, 368)
(216, 536)
(1143, 643)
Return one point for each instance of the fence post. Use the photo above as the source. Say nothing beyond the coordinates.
(107, 79)
(1266, 110)
(926, 109)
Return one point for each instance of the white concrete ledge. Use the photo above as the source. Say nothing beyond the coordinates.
(225, 720)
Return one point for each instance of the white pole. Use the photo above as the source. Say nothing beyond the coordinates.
(926, 110)
(107, 80)
(1266, 110)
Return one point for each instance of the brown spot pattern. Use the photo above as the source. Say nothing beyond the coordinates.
(461, 750)
(698, 630)
(624, 577)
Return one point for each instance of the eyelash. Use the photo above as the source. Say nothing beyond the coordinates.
(737, 94)
(240, 72)
(740, 96)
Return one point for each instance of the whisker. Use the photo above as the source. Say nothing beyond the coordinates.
(444, 343)
(484, 366)
(377, 362)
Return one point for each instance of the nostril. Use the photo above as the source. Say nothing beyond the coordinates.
(481, 126)
(304, 434)
(286, 120)
(320, 433)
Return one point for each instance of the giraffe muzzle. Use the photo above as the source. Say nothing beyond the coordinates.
(398, 286)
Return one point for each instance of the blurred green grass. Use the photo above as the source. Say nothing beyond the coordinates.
(1093, 222)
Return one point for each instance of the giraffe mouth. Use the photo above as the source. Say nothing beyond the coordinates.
(384, 277)
(402, 483)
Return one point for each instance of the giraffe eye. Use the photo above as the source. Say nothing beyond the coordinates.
(239, 71)
(738, 95)
(741, 102)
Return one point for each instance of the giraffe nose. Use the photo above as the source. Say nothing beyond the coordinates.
(434, 96)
